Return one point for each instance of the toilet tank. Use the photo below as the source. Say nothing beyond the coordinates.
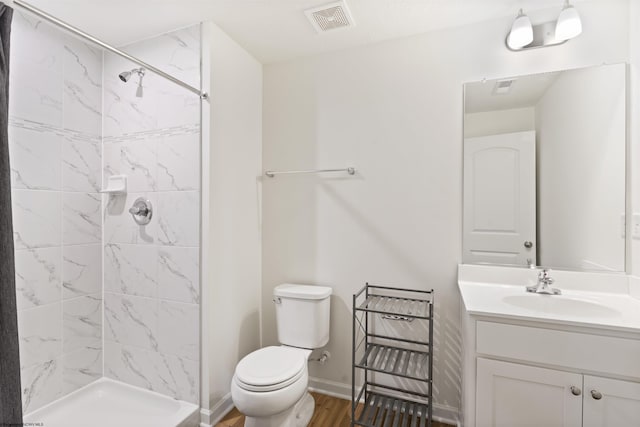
(302, 315)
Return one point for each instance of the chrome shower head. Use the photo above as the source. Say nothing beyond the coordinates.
(126, 75)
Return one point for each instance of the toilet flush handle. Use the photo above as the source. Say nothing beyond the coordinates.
(277, 300)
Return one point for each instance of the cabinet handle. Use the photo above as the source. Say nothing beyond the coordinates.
(576, 390)
(596, 394)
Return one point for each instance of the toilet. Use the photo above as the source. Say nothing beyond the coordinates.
(269, 386)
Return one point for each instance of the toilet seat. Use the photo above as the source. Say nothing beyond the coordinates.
(270, 368)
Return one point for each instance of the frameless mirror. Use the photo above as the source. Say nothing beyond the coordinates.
(544, 170)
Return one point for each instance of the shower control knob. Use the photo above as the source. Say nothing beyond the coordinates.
(141, 211)
(138, 211)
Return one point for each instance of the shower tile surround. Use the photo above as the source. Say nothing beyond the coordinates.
(55, 128)
(151, 273)
(70, 128)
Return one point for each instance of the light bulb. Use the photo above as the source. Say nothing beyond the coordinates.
(521, 33)
(569, 24)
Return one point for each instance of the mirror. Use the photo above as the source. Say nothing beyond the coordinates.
(544, 170)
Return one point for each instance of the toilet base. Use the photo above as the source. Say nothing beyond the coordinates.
(297, 416)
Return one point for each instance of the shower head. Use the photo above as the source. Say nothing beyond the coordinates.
(126, 75)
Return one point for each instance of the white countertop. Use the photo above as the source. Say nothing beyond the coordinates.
(603, 310)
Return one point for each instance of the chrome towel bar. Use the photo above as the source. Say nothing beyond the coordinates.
(349, 170)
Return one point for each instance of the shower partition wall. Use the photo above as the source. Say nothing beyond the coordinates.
(99, 295)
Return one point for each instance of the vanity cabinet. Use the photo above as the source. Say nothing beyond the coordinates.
(513, 394)
(519, 374)
(539, 360)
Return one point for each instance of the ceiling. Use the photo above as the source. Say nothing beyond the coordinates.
(278, 30)
(525, 91)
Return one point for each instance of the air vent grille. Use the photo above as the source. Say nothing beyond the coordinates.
(502, 87)
(330, 17)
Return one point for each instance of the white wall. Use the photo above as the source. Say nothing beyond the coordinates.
(232, 258)
(581, 174)
(634, 128)
(395, 111)
(500, 121)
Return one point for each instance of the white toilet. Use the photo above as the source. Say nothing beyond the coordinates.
(270, 385)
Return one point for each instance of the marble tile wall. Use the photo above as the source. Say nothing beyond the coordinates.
(64, 139)
(55, 129)
(151, 273)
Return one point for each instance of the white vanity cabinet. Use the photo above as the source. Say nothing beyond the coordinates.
(529, 360)
(519, 373)
(514, 394)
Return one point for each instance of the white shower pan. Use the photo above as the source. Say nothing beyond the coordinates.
(109, 403)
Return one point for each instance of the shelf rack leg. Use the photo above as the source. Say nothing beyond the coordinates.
(431, 319)
(353, 363)
(366, 343)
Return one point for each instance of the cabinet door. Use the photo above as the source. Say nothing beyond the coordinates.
(618, 403)
(514, 395)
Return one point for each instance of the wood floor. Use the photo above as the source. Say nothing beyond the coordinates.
(329, 412)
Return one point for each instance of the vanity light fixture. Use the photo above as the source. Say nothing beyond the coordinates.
(521, 33)
(569, 24)
(524, 35)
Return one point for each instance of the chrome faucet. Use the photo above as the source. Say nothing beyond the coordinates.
(544, 284)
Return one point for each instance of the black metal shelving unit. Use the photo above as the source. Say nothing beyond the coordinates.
(394, 356)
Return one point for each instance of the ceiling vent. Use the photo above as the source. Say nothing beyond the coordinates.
(503, 87)
(329, 17)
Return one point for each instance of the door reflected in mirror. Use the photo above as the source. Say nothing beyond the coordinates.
(544, 170)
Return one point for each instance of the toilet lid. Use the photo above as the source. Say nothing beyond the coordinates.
(270, 366)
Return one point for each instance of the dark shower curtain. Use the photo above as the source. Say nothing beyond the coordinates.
(10, 400)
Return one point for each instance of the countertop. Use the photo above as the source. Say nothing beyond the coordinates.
(612, 311)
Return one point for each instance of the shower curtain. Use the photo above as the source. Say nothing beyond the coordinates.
(10, 399)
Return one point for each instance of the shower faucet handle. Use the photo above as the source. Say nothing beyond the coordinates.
(136, 210)
(142, 211)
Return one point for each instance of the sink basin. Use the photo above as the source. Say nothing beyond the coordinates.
(557, 304)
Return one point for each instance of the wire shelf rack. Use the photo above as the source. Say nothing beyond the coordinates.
(377, 403)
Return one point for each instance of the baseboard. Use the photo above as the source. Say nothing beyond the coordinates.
(205, 418)
(442, 413)
(446, 414)
(330, 388)
(219, 410)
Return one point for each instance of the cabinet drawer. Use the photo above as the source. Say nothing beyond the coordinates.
(585, 352)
